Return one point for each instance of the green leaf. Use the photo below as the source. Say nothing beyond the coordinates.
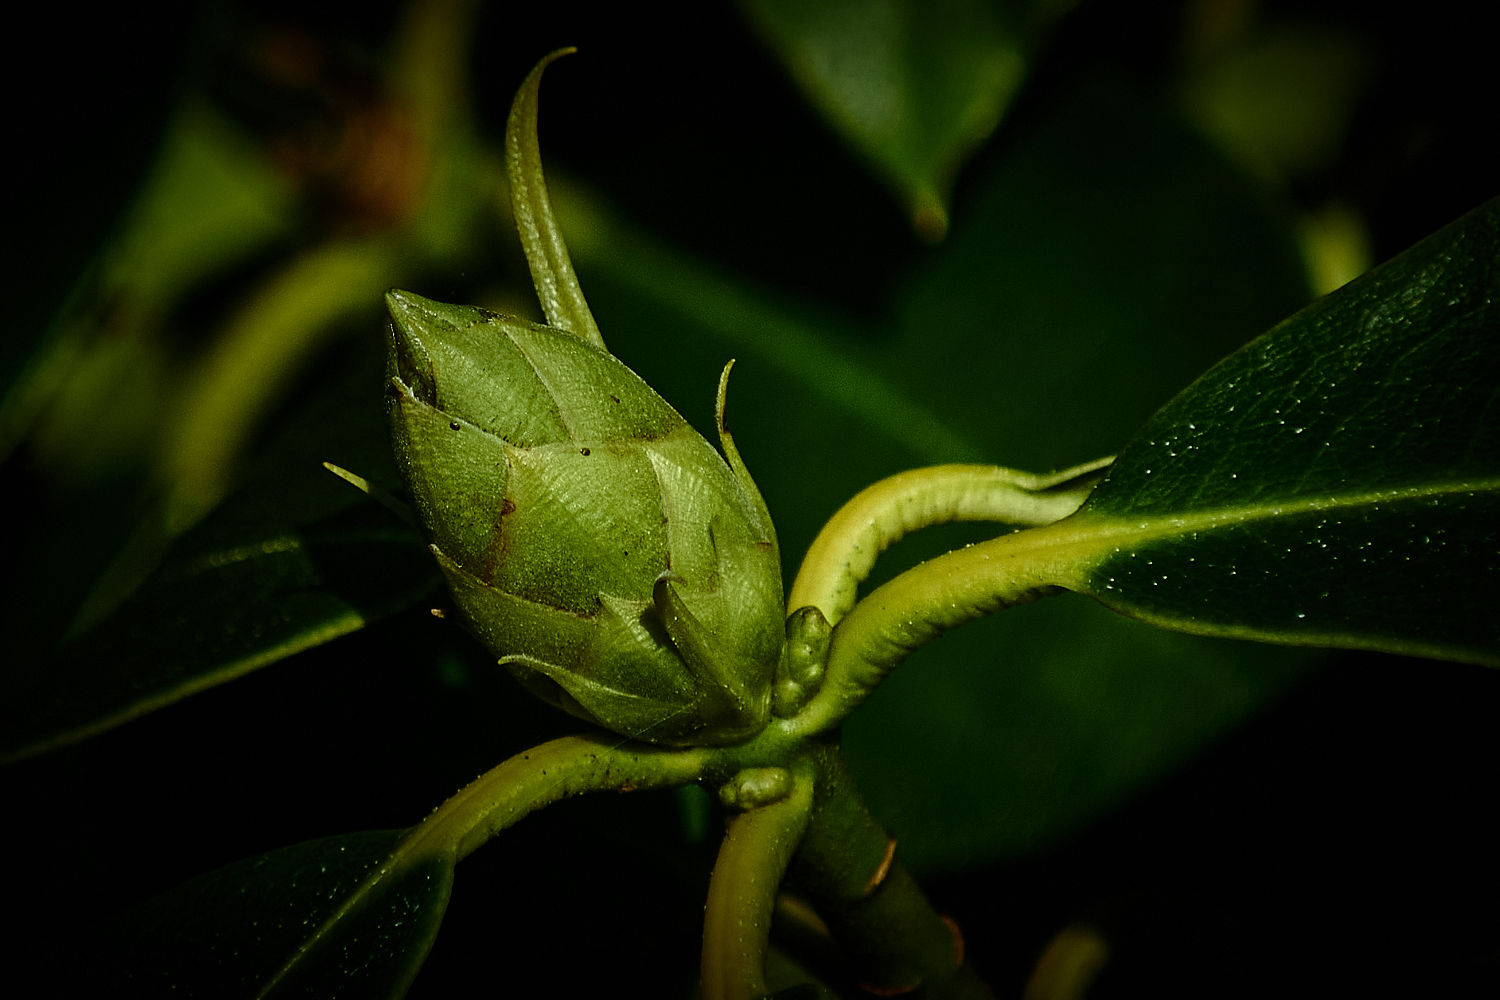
(344, 916)
(355, 915)
(295, 559)
(210, 615)
(1336, 482)
(1388, 471)
(209, 202)
(1277, 96)
(914, 87)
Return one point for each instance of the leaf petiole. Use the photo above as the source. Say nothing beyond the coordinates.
(757, 848)
(845, 550)
(558, 769)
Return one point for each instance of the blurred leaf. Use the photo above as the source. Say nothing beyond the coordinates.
(679, 315)
(914, 87)
(212, 614)
(1279, 98)
(1357, 443)
(210, 202)
(1337, 247)
(1012, 734)
(275, 330)
(355, 915)
(92, 408)
(260, 927)
(212, 199)
(295, 559)
(1048, 319)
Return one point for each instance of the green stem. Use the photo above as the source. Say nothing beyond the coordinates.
(883, 923)
(841, 557)
(742, 891)
(556, 770)
(927, 600)
(498, 798)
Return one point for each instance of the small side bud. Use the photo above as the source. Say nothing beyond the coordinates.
(755, 787)
(799, 674)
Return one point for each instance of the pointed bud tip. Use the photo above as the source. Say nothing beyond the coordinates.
(396, 300)
(408, 356)
(418, 326)
(411, 313)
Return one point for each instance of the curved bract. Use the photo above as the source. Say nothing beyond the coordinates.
(595, 542)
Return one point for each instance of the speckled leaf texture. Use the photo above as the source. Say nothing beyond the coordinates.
(1337, 481)
(346, 916)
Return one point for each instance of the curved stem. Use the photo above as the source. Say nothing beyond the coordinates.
(742, 891)
(496, 799)
(841, 556)
(538, 777)
(546, 253)
(927, 600)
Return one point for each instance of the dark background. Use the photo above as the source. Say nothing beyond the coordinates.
(1341, 841)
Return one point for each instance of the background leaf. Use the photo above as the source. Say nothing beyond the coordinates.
(229, 932)
(914, 87)
(296, 559)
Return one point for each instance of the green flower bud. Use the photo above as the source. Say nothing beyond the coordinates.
(595, 542)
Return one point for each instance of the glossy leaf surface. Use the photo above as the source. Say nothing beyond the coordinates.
(297, 558)
(216, 614)
(257, 927)
(1337, 482)
(355, 915)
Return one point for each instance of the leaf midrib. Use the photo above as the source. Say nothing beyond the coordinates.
(1149, 527)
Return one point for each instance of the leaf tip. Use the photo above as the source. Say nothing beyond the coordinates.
(929, 217)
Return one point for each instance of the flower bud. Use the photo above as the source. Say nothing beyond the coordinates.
(595, 542)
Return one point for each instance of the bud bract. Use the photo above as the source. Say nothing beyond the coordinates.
(594, 541)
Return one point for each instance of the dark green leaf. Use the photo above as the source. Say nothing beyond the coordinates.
(212, 615)
(295, 559)
(257, 927)
(1337, 482)
(355, 915)
(914, 87)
